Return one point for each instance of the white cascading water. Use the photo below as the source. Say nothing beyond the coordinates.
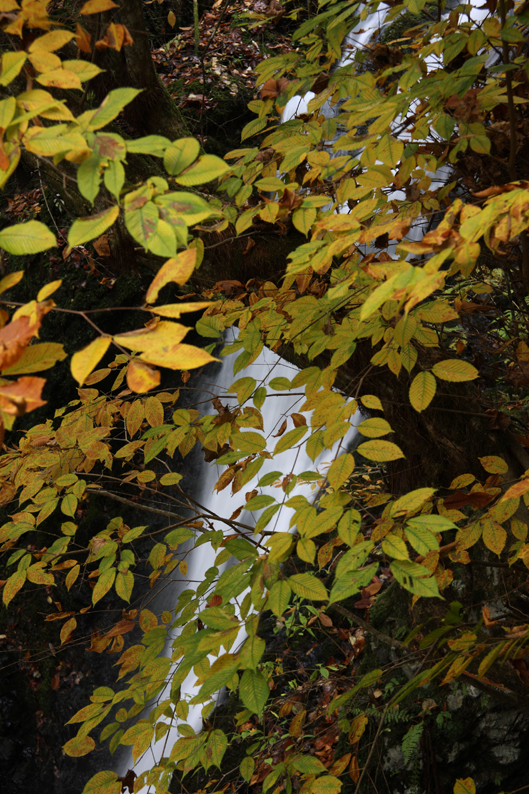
(277, 406)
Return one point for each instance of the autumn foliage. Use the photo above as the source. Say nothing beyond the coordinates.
(413, 200)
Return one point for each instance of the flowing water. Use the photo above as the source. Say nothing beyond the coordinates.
(277, 407)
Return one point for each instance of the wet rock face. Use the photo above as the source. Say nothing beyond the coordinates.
(480, 740)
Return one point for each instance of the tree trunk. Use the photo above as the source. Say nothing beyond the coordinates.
(153, 112)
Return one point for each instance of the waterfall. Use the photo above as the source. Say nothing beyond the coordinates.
(276, 408)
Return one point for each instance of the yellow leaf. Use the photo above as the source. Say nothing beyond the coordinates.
(153, 411)
(493, 464)
(51, 41)
(97, 6)
(175, 310)
(67, 630)
(380, 450)
(411, 502)
(357, 728)
(84, 361)
(60, 78)
(141, 378)
(374, 427)
(177, 269)
(78, 746)
(44, 61)
(171, 18)
(371, 402)
(465, 786)
(422, 390)
(155, 338)
(494, 535)
(12, 63)
(178, 357)
(48, 290)
(11, 280)
(454, 370)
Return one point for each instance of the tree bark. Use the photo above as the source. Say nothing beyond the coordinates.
(153, 112)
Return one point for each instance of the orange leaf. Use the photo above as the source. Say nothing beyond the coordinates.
(354, 770)
(83, 39)
(178, 269)
(22, 396)
(141, 378)
(518, 489)
(486, 618)
(13, 339)
(67, 630)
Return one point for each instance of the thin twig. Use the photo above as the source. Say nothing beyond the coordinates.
(372, 750)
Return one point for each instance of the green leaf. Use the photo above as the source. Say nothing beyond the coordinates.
(326, 784)
(89, 177)
(32, 237)
(422, 540)
(124, 585)
(103, 584)
(308, 765)
(109, 109)
(252, 128)
(352, 583)
(140, 736)
(411, 502)
(154, 145)
(103, 783)
(114, 177)
(251, 652)
(83, 230)
(306, 550)
(180, 155)
(243, 388)
(254, 690)
(206, 169)
(366, 681)
(258, 502)
(340, 471)
(279, 597)
(246, 768)
(280, 384)
(290, 439)
(280, 545)
(308, 586)
(216, 747)
(78, 746)
(395, 547)
(433, 523)
(406, 572)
